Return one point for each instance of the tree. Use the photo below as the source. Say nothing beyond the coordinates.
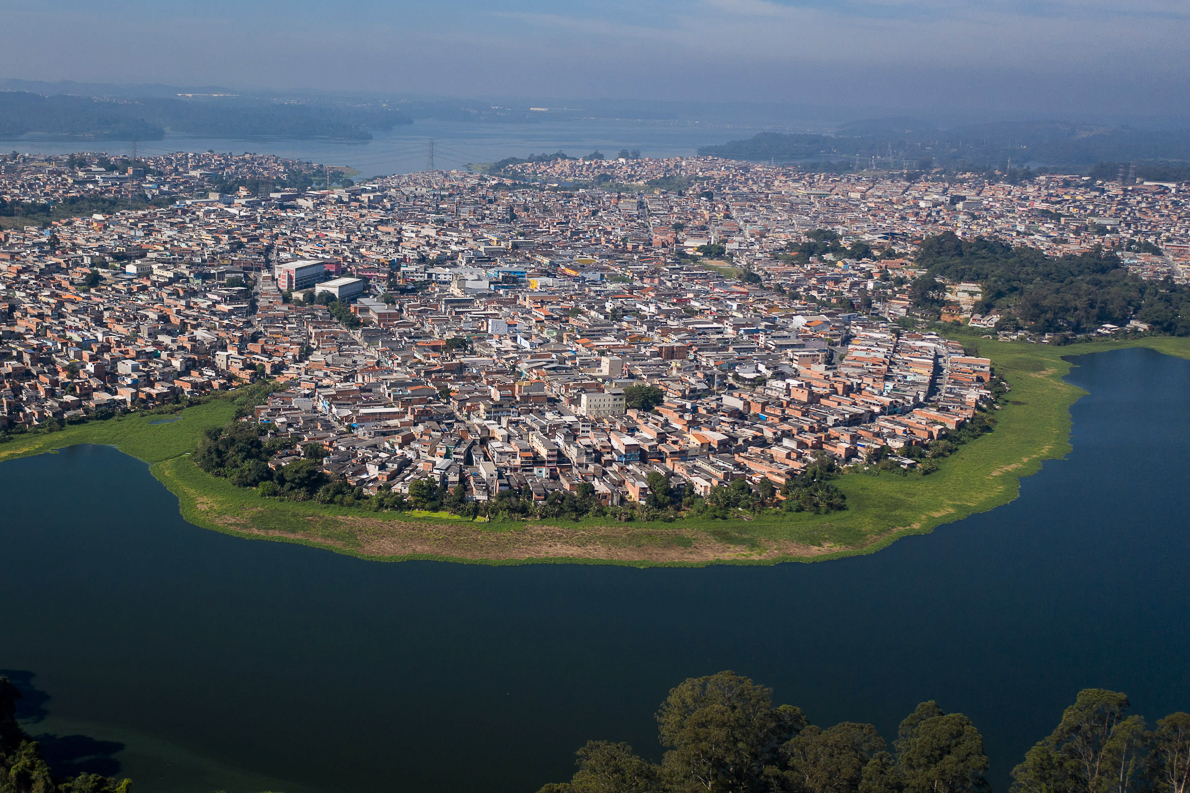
(1096, 748)
(605, 767)
(313, 451)
(660, 493)
(301, 478)
(643, 397)
(423, 493)
(861, 250)
(251, 474)
(881, 776)
(1169, 766)
(831, 760)
(939, 752)
(456, 343)
(456, 497)
(723, 734)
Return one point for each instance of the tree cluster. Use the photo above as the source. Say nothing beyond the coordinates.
(22, 768)
(1044, 294)
(723, 733)
(820, 242)
(238, 453)
(643, 397)
(39, 213)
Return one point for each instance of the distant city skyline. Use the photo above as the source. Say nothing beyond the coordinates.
(1055, 56)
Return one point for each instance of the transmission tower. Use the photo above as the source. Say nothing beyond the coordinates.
(430, 156)
(131, 168)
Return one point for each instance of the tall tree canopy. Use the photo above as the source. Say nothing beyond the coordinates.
(1048, 294)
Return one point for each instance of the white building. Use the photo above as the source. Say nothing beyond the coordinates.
(342, 288)
(597, 404)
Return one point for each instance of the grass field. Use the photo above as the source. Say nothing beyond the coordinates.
(1032, 426)
(136, 435)
(721, 266)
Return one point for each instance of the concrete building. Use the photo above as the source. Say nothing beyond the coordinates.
(342, 288)
(597, 404)
(300, 274)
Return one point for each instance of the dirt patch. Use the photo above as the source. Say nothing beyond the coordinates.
(1010, 467)
(628, 543)
(1041, 453)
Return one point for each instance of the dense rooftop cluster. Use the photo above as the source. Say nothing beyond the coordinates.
(496, 337)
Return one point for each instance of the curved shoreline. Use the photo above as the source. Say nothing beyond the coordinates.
(981, 476)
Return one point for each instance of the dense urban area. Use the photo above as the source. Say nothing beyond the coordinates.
(599, 331)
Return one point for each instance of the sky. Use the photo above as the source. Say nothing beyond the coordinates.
(1039, 56)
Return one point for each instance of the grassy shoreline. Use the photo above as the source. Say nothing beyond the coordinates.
(1033, 426)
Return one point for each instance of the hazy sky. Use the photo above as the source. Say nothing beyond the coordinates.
(1119, 56)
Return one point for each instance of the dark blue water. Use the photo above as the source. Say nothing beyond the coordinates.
(209, 662)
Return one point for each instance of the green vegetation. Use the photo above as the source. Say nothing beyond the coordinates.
(722, 267)
(723, 733)
(673, 183)
(135, 434)
(499, 166)
(33, 213)
(339, 309)
(820, 242)
(1073, 294)
(643, 397)
(22, 768)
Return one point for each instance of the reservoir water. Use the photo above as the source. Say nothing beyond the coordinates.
(406, 148)
(196, 662)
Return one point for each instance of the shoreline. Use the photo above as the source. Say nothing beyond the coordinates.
(882, 508)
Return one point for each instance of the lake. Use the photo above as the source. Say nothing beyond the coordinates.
(405, 149)
(194, 661)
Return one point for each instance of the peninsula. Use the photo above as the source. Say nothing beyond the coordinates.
(764, 366)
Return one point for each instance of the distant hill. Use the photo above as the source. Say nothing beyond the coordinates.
(908, 143)
(147, 118)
